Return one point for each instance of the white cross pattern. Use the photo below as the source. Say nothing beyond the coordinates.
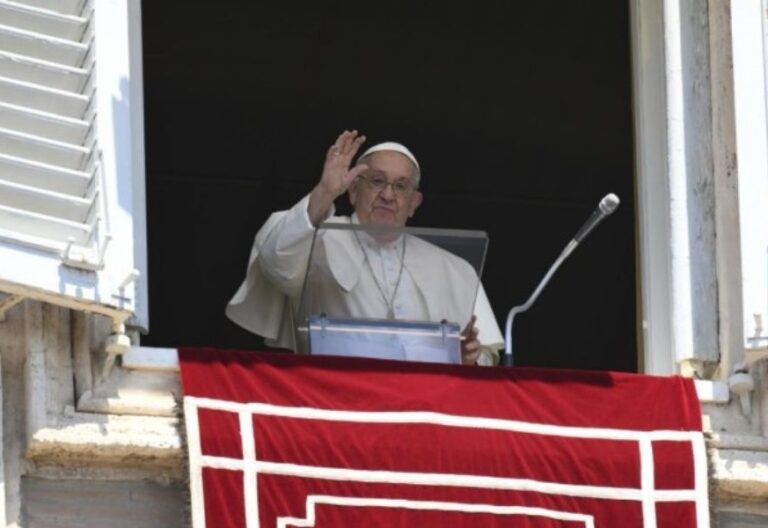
(646, 495)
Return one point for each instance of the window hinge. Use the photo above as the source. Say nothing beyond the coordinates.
(85, 259)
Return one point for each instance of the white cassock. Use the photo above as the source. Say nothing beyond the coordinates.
(364, 279)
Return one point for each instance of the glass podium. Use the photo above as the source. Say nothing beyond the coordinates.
(391, 293)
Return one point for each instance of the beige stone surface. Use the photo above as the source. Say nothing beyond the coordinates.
(68, 503)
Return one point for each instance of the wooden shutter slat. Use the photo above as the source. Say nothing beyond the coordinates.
(43, 124)
(65, 7)
(43, 73)
(42, 98)
(40, 20)
(43, 226)
(44, 176)
(41, 46)
(36, 200)
(28, 146)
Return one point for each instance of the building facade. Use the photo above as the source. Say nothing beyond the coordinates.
(91, 425)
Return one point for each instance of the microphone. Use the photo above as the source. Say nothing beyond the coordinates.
(607, 205)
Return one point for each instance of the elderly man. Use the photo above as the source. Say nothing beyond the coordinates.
(383, 190)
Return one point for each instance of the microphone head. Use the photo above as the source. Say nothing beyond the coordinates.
(609, 203)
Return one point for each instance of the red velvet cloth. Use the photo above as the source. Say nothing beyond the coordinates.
(438, 445)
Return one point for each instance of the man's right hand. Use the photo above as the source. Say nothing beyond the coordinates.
(337, 175)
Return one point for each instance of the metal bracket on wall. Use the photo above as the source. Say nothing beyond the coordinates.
(118, 343)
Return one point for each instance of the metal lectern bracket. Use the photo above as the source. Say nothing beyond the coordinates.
(444, 329)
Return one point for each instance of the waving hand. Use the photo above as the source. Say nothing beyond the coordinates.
(337, 175)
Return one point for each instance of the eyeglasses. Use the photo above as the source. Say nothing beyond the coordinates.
(402, 187)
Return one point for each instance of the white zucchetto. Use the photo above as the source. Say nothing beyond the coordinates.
(390, 146)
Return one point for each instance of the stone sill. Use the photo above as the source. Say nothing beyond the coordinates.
(167, 360)
(151, 359)
(712, 391)
(740, 474)
(109, 439)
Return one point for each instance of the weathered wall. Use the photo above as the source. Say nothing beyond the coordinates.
(79, 503)
(81, 448)
(739, 456)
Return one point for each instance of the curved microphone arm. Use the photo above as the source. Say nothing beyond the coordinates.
(522, 308)
(607, 205)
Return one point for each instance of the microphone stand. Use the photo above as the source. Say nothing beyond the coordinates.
(606, 206)
(532, 299)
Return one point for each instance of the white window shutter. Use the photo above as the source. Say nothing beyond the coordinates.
(72, 211)
(750, 70)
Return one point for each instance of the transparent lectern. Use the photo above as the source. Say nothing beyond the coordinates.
(393, 293)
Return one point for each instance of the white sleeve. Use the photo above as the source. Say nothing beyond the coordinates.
(261, 303)
(284, 249)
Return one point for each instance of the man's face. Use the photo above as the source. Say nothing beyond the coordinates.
(393, 204)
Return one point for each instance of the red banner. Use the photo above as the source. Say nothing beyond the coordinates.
(279, 440)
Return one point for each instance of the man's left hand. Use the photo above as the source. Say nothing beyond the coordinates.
(470, 346)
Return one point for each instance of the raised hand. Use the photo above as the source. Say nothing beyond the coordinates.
(337, 175)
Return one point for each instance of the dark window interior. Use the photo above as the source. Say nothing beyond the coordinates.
(520, 114)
